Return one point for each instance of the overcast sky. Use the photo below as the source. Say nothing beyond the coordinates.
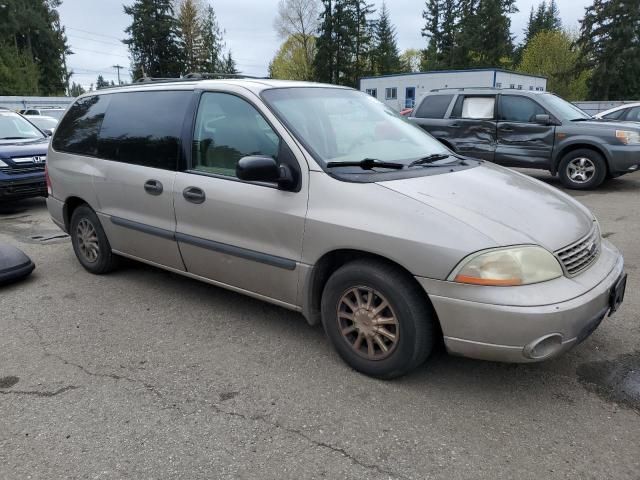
(95, 28)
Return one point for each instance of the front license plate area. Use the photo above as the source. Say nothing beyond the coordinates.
(617, 294)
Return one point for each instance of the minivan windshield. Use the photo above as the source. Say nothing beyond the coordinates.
(14, 127)
(563, 109)
(340, 125)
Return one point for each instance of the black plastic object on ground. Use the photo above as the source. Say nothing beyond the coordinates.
(14, 264)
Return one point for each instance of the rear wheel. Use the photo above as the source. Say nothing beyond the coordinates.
(582, 169)
(377, 318)
(90, 243)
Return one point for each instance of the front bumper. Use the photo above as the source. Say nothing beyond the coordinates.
(33, 186)
(624, 159)
(516, 324)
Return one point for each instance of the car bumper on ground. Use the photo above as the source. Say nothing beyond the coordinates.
(523, 327)
(35, 186)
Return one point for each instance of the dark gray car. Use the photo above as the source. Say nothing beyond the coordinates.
(530, 129)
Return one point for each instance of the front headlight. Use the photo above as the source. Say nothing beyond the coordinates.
(2, 164)
(628, 137)
(508, 266)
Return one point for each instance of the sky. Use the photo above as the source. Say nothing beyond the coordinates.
(95, 29)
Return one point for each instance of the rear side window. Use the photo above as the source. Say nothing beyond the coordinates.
(78, 131)
(614, 115)
(477, 108)
(633, 115)
(519, 109)
(144, 128)
(434, 106)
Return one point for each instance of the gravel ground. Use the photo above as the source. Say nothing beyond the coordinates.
(145, 374)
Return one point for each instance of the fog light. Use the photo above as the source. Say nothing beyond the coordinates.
(543, 347)
(633, 167)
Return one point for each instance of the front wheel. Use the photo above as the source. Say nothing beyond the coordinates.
(582, 169)
(377, 318)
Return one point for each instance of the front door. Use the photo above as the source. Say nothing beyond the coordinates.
(245, 235)
(134, 174)
(521, 141)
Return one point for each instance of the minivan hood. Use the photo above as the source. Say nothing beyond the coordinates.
(509, 207)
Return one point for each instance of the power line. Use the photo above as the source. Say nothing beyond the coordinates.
(92, 33)
(97, 51)
(73, 35)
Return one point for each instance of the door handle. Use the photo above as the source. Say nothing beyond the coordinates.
(455, 125)
(153, 187)
(506, 129)
(194, 195)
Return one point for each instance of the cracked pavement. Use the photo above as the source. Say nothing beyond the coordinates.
(145, 374)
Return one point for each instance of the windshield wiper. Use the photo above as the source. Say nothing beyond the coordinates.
(434, 157)
(581, 119)
(367, 164)
(15, 138)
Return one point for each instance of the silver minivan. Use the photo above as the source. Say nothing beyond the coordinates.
(322, 200)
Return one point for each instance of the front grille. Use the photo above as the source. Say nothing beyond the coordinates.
(580, 255)
(23, 169)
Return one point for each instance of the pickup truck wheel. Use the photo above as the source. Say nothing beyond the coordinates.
(377, 318)
(582, 169)
(89, 241)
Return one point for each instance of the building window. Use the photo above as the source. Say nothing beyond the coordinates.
(519, 87)
(513, 85)
(530, 87)
(498, 85)
(391, 93)
(373, 92)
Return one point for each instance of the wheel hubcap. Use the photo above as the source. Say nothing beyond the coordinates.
(87, 240)
(581, 170)
(368, 323)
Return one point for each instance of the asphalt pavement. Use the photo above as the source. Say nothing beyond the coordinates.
(144, 374)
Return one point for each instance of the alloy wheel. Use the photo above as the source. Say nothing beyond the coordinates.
(368, 323)
(88, 240)
(581, 170)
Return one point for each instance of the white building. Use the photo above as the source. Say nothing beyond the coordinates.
(404, 89)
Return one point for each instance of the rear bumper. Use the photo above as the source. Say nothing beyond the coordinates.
(33, 186)
(522, 333)
(56, 211)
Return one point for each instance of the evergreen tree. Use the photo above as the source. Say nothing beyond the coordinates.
(432, 31)
(212, 44)
(386, 58)
(494, 33)
(30, 33)
(229, 65)
(610, 46)
(101, 82)
(545, 18)
(76, 90)
(324, 62)
(468, 41)
(153, 39)
(19, 74)
(191, 32)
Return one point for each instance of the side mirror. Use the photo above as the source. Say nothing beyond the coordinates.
(543, 119)
(264, 169)
(48, 132)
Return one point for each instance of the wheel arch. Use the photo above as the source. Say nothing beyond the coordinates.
(330, 262)
(69, 207)
(578, 146)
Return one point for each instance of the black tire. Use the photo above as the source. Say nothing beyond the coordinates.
(104, 261)
(416, 323)
(591, 159)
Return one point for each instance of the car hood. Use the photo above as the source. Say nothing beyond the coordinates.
(612, 124)
(24, 149)
(506, 206)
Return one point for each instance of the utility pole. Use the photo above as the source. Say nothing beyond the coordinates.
(118, 68)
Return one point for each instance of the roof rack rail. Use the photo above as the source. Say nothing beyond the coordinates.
(190, 77)
(465, 88)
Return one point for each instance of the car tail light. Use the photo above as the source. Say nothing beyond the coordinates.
(48, 180)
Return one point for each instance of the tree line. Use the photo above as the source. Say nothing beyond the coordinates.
(348, 39)
(341, 41)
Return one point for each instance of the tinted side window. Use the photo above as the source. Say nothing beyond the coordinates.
(78, 130)
(144, 128)
(519, 109)
(227, 129)
(434, 106)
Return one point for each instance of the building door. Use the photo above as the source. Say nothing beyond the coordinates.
(410, 97)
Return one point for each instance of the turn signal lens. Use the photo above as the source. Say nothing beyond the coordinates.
(508, 267)
(628, 137)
